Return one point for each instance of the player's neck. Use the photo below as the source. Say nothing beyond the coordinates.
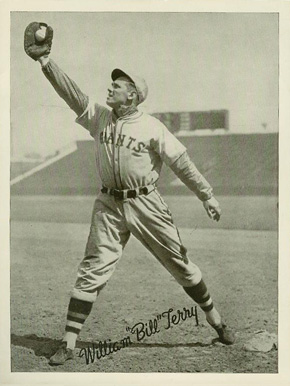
(124, 110)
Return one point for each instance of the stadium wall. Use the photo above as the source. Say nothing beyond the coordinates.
(240, 164)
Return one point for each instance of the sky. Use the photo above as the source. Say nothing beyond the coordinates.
(191, 61)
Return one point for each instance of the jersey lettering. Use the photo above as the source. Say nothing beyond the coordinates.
(140, 147)
(130, 142)
(120, 140)
(110, 140)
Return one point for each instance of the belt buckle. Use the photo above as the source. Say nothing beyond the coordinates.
(132, 193)
(118, 194)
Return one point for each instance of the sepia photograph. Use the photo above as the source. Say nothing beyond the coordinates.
(144, 181)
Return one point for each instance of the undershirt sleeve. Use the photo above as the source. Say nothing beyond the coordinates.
(187, 172)
(66, 88)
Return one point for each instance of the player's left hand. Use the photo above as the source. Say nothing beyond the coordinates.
(37, 46)
(213, 209)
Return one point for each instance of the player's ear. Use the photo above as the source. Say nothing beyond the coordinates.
(132, 94)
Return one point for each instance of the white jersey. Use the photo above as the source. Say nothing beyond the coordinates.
(129, 150)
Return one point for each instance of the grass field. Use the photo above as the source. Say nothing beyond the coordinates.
(238, 257)
(238, 212)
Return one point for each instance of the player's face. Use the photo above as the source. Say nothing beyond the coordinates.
(117, 93)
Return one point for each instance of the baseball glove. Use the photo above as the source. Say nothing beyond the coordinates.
(35, 47)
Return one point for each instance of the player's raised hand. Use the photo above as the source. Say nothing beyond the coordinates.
(213, 209)
(38, 40)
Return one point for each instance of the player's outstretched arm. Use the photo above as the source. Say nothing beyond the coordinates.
(187, 172)
(37, 44)
(66, 88)
(174, 154)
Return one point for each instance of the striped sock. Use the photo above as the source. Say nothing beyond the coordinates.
(78, 311)
(201, 296)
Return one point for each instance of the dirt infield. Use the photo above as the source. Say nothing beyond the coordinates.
(239, 265)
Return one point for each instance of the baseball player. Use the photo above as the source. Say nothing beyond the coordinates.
(131, 147)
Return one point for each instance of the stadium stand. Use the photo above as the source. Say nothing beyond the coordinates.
(18, 168)
(240, 164)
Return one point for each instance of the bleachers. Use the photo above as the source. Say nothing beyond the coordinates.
(20, 167)
(234, 164)
(241, 164)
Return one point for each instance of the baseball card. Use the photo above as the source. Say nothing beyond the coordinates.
(145, 211)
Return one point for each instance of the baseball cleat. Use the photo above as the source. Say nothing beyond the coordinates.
(62, 355)
(226, 336)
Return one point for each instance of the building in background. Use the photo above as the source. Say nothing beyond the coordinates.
(189, 123)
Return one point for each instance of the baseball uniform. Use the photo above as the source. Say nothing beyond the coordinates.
(130, 151)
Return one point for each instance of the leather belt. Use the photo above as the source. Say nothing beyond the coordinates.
(128, 193)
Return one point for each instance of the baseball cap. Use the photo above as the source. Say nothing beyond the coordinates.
(140, 84)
